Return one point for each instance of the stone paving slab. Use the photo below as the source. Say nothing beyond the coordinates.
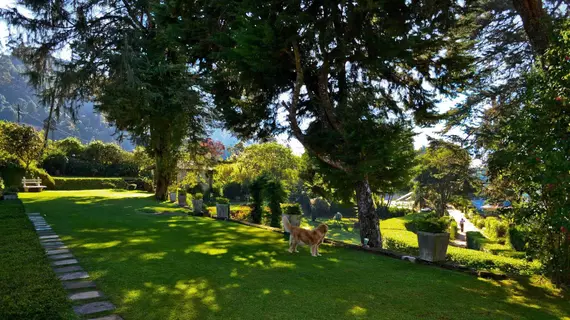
(56, 247)
(64, 262)
(73, 276)
(53, 244)
(85, 295)
(61, 256)
(68, 269)
(34, 214)
(93, 307)
(43, 229)
(71, 285)
(55, 236)
(46, 241)
(57, 251)
(111, 317)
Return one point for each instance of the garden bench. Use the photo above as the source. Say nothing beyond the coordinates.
(32, 184)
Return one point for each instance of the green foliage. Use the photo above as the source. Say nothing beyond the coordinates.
(181, 192)
(275, 195)
(1, 184)
(432, 224)
(240, 212)
(256, 192)
(518, 237)
(320, 208)
(28, 286)
(89, 183)
(475, 240)
(11, 190)
(47, 180)
(453, 230)
(221, 200)
(21, 141)
(496, 228)
(291, 209)
(233, 190)
(392, 212)
(198, 196)
(444, 172)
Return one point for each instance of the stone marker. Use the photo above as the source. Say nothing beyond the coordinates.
(73, 276)
(93, 307)
(68, 269)
(78, 285)
(61, 256)
(64, 262)
(85, 295)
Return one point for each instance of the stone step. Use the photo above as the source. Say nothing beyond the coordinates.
(53, 244)
(71, 285)
(55, 247)
(85, 295)
(50, 240)
(73, 276)
(57, 251)
(33, 214)
(68, 269)
(49, 237)
(61, 256)
(111, 317)
(94, 307)
(64, 262)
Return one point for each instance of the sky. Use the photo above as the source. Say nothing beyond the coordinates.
(420, 139)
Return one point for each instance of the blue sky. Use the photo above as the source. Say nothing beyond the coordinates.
(419, 140)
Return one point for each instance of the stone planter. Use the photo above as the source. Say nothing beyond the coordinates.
(223, 211)
(10, 196)
(182, 200)
(197, 206)
(172, 196)
(295, 220)
(433, 246)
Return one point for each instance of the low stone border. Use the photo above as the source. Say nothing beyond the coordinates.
(391, 254)
(73, 278)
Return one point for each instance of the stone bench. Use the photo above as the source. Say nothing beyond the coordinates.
(32, 184)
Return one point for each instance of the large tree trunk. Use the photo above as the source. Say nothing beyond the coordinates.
(536, 22)
(162, 177)
(369, 222)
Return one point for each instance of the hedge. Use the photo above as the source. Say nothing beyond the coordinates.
(29, 289)
(68, 183)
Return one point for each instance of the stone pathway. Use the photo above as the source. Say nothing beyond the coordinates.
(467, 226)
(88, 301)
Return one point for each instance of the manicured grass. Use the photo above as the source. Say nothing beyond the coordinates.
(29, 289)
(398, 238)
(178, 267)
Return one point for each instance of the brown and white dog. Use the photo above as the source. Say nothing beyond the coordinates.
(312, 238)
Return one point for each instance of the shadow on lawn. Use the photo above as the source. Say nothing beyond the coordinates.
(171, 267)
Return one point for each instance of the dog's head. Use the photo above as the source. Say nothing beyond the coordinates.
(323, 228)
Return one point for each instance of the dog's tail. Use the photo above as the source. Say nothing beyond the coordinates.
(286, 224)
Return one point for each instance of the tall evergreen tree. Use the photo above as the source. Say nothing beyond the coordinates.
(126, 55)
(349, 72)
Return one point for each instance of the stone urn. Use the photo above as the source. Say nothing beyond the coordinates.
(433, 246)
(182, 200)
(172, 196)
(197, 206)
(223, 211)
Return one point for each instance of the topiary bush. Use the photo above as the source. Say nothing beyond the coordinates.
(291, 209)
(275, 193)
(453, 230)
(518, 237)
(432, 224)
(475, 240)
(221, 200)
(198, 196)
(256, 191)
(320, 208)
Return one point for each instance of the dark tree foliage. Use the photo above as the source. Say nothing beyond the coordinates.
(130, 57)
(351, 72)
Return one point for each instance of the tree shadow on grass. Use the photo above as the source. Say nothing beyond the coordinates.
(170, 267)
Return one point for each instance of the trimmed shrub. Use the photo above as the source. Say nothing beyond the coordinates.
(453, 230)
(89, 183)
(291, 209)
(518, 237)
(240, 213)
(221, 200)
(495, 228)
(198, 196)
(275, 193)
(392, 212)
(432, 224)
(233, 190)
(475, 240)
(256, 191)
(320, 208)
(181, 192)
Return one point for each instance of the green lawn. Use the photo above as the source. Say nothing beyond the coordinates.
(177, 267)
(29, 289)
(398, 238)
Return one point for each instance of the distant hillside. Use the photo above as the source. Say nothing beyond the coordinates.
(89, 125)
